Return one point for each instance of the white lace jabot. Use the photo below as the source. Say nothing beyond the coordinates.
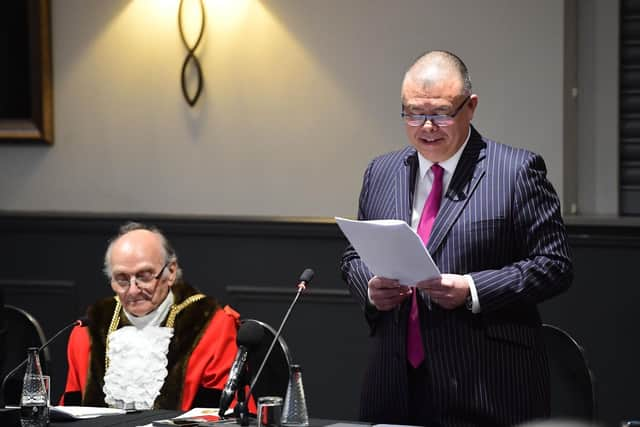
(138, 360)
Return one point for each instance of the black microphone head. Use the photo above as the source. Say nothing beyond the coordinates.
(83, 321)
(307, 275)
(250, 334)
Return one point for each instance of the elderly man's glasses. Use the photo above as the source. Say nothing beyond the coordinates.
(143, 279)
(440, 120)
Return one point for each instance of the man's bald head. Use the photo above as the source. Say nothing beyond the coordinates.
(437, 66)
(142, 267)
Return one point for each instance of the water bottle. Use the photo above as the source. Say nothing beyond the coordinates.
(294, 412)
(34, 409)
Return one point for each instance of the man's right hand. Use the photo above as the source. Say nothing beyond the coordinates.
(385, 294)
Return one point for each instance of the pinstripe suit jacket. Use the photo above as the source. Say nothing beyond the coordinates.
(499, 222)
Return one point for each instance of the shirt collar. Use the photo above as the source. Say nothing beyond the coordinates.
(154, 318)
(448, 165)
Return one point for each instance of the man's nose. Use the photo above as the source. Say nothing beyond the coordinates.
(429, 126)
(133, 285)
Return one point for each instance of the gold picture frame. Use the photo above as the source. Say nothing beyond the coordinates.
(26, 112)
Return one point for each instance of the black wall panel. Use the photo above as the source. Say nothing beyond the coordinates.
(254, 264)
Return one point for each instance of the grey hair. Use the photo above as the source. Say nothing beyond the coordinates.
(447, 59)
(169, 253)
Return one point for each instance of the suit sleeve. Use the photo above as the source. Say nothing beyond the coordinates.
(78, 349)
(209, 365)
(542, 266)
(354, 271)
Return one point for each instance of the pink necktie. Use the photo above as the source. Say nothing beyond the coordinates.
(415, 349)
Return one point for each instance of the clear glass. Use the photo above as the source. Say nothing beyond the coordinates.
(294, 412)
(34, 401)
(269, 411)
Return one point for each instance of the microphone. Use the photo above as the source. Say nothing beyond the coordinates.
(304, 280)
(83, 321)
(249, 335)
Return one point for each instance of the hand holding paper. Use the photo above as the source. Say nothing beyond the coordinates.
(386, 294)
(391, 249)
(449, 291)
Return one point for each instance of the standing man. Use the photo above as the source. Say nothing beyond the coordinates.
(464, 349)
(157, 343)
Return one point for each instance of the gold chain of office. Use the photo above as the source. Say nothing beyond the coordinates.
(173, 312)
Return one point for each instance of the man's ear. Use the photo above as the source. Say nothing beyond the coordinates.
(472, 104)
(173, 272)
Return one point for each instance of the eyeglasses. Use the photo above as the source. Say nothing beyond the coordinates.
(440, 120)
(144, 279)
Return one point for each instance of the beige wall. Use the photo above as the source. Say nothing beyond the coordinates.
(299, 96)
(598, 80)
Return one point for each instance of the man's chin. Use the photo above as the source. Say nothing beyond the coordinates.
(436, 152)
(138, 308)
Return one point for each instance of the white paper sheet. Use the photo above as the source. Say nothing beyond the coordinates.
(81, 412)
(391, 249)
(199, 416)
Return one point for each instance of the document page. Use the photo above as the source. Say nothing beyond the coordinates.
(390, 248)
(81, 412)
(194, 417)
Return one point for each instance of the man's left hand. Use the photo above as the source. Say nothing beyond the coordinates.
(448, 291)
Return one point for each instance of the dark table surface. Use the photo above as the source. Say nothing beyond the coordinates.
(147, 417)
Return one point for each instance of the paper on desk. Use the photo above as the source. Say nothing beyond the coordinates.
(390, 248)
(199, 416)
(211, 414)
(81, 412)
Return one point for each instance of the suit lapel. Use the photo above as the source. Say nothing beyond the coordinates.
(468, 173)
(403, 189)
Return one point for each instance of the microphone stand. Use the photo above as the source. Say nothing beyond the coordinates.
(241, 411)
(242, 405)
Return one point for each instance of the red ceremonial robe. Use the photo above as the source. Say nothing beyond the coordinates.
(201, 352)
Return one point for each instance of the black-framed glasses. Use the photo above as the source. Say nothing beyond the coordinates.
(144, 279)
(440, 120)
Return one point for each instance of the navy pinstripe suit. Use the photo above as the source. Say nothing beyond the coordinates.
(499, 222)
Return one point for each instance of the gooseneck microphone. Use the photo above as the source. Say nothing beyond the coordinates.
(249, 335)
(83, 321)
(304, 280)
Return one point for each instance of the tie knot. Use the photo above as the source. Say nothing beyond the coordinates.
(437, 171)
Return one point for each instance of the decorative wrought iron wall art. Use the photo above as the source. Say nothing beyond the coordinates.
(191, 60)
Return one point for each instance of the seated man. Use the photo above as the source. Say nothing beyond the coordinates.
(158, 343)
